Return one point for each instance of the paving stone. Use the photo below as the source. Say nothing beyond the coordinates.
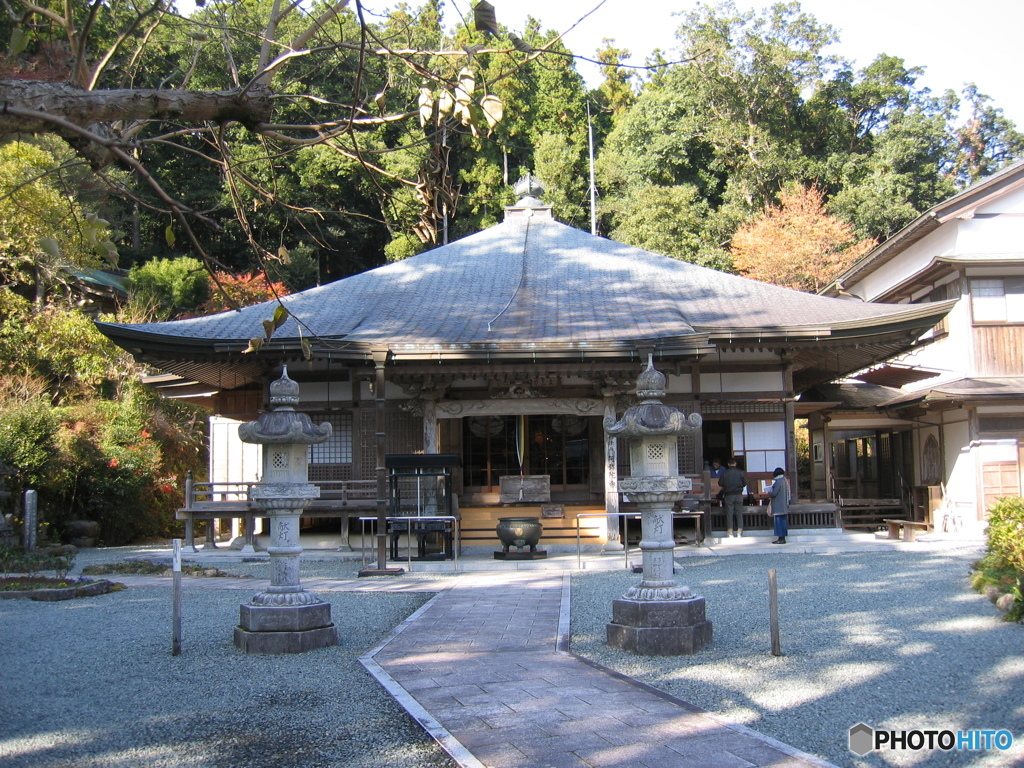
(538, 745)
(623, 756)
(765, 756)
(499, 756)
(487, 669)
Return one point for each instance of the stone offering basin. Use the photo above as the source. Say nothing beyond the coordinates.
(519, 532)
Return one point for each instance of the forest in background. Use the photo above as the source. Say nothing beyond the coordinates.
(256, 148)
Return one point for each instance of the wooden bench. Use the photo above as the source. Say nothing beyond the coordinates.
(910, 528)
(867, 514)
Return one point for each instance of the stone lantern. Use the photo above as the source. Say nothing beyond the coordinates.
(658, 617)
(286, 618)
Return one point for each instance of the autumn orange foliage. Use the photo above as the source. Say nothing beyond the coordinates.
(797, 244)
(244, 290)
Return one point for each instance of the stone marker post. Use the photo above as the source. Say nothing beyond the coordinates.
(31, 521)
(286, 618)
(657, 617)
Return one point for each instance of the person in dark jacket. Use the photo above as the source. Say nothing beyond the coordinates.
(780, 495)
(732, 483)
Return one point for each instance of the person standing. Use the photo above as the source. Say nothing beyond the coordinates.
(780, 497)
(732, 482)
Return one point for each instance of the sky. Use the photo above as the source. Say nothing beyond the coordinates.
(955, 43)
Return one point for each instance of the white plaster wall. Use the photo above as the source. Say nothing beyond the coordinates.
(681, 384)
(950, 355)
(961, 470)
(1010, 202)
(942, 242)
(999, 410)
(758, 381)
(988, 451)
(977, 237)
(995, 235)
(230, 458)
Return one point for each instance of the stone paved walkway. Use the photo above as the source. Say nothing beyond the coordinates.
(483, 668)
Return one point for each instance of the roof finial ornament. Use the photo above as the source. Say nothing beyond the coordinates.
(530, 190)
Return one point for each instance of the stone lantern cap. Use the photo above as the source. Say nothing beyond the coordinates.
(283, 424)
(651, 417)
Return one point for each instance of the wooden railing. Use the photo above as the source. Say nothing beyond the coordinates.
(232, 500)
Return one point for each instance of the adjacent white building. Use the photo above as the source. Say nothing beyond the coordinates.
(944, 422)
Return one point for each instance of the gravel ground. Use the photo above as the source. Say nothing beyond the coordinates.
(91, 682)
(893, 639)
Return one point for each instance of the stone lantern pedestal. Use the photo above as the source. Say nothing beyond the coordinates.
(285, 618)
(658, 617)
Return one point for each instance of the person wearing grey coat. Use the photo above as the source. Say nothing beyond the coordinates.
(780, 497)
(732, 481)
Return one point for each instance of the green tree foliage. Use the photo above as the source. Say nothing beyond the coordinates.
(986, 141)
(40, 232)
(27, 436)
(79, 427)
(1001, 572)
(729, 123)
(168, 287)
(758, 105)
(616, 92)
(672, 220)
(546, 128)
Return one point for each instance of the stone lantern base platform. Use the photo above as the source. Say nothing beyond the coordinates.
(659, 627)
(274, 629)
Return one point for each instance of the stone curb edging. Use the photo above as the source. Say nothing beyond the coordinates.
(54, 594)
(444, 738)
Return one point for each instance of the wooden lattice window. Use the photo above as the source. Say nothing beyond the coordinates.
(1000, 478)
(403, 433)
(337, 449)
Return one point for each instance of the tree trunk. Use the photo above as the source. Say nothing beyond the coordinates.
(56, 105)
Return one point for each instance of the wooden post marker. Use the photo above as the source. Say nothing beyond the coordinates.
(773, 609)
(176, 599)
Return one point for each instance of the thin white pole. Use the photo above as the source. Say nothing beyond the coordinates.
(593, 185)
(176, 599)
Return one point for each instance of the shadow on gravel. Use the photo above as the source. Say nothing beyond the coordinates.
(896, 640)
(93, 683)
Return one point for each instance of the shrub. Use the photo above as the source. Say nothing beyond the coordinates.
(1000, 574)
(78, 426)
(1006, 532)
(17, 560)
(171, 285)
(109, 470)
(27, 441)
